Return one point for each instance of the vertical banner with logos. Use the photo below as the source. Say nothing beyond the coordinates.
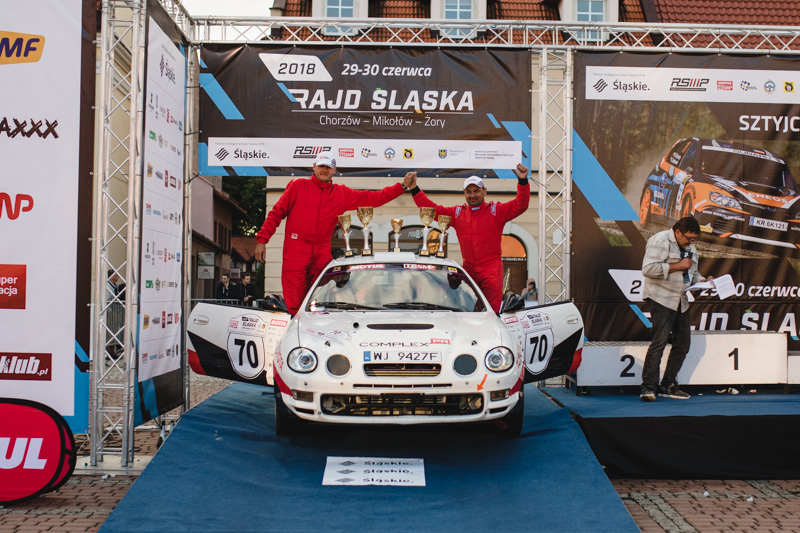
(159, 366)
(47, 70)
(443, 112)
(658, 137)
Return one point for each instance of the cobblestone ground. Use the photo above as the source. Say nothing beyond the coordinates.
(86, 500)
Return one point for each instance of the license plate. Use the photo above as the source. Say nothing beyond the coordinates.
(402, 357)
(768, 224)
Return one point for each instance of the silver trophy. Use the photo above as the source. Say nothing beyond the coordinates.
(397, 225)
(365, 216)
(444, 223)
(344, 222)
(426, 215)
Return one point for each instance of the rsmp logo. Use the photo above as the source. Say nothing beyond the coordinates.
(689, 84)
(20, 48)
(222, 154)
(22, 203)
(600, 85)
(18, 126)
(26, 366)
(309, 152)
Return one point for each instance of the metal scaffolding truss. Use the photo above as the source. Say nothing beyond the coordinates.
(118, 182)
(116, 229)
(498, 33)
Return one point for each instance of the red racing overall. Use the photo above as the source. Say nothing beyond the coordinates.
(480, 231)
(311, 208)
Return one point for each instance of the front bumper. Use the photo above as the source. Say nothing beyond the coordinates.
(409, 401)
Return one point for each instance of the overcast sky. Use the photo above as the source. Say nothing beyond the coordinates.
(228, 8)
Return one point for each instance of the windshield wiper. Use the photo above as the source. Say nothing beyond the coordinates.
(421, 305)
(345, 305)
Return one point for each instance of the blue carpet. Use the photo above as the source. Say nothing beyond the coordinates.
(223, 469)
(612, 402)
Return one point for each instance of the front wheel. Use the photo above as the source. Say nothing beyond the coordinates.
(644, 207)
(286, 423)
(687, 209)
(511, 424)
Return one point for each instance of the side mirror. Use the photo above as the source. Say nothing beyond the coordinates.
(273, 302)
(512, 303)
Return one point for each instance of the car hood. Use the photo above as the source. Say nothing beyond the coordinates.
(354, 332)
(756, 193)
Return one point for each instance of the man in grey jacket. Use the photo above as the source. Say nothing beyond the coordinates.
(669, 268)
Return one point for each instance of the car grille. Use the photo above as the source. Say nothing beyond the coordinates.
(727, 226)
(402, 404)
(402, 370)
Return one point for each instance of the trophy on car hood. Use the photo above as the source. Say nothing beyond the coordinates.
(344, 222)
(397, 225)
(444, 223)
(426, 215)
(365, 216)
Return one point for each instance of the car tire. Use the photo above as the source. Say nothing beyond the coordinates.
(686, 207)
(644, 207)
(511, 424)
(286, 423)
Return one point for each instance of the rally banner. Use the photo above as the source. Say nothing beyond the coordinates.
(659, 137)
(47, 69)
(159, 362)
(441, 112)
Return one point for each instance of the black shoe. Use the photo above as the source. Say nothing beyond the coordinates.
(647, 395)
(673, 392)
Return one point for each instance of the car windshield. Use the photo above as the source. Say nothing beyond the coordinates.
(748, 168)
(395, 286)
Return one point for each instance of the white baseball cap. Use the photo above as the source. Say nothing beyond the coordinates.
(325, 159)
(474, 180)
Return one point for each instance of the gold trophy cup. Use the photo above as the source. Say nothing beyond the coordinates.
(426, 215)
(365, 216)
(344, 222)
(444, 223)
(397, 225)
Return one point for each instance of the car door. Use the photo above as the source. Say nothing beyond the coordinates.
(551, 339)
(235, 343)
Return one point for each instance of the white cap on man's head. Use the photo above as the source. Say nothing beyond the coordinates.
(474, 180)
(325, 159)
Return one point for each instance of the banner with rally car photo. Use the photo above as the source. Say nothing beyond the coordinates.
(444, 112)
(660, 137)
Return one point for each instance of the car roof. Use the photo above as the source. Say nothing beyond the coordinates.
(722, 143)
(393, 257)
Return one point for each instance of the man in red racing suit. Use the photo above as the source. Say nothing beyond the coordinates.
(479, 226)
(311, 207)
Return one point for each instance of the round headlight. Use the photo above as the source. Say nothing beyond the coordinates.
(724, 200)
(302, 360)
(465, 364)
(499, 359)
(338, 365)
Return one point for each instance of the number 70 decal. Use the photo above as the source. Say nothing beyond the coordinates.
(538, 349)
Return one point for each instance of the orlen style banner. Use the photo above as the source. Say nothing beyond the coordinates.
(160, 368)
(659, 137)
(445, 112)
(42, 106)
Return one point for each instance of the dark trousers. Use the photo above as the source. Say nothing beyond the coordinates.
(666, 321)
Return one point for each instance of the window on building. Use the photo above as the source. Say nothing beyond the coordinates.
(339, 9)
(590, 11)
(458, 10)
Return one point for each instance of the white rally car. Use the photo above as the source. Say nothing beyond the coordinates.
(392, 338)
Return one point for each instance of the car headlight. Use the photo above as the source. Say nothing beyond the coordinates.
(302, 360)
(724, 200)
(499, 359)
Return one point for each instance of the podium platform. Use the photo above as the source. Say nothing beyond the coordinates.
(709, 436)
